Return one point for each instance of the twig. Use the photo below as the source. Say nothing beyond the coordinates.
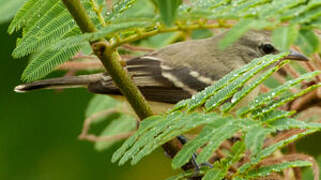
(264, 88)
(88, 120)
(293, 157)
(304, 101)
(98, 12)
(81, 65)
(159, 29)
(281, 136)
(291, 71)
(311, 68)
(317, 60)
(137, 48)
(112, 62)
(93, 138)
(297, 170)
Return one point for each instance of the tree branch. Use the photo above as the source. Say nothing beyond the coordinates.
(112, 62)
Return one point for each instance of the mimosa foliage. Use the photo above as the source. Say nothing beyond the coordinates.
(46, 23)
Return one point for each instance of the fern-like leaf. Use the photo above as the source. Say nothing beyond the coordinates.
(256, 122)
(43, 63)
(267, 170)
(23, 15)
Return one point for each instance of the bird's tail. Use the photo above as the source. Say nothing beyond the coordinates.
(60, 83)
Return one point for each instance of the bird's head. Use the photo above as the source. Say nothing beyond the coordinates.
(258, 43)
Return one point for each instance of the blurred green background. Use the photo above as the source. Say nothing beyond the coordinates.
(39, 130)
(38, 133)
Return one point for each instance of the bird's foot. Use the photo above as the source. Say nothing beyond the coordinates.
(182, 139)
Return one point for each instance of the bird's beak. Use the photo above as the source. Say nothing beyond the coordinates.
(294, 55)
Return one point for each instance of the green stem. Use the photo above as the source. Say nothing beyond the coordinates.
(143, 34)
(111, 61)
(98, 10)
(80, 15)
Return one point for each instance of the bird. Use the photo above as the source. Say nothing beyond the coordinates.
(177, 71)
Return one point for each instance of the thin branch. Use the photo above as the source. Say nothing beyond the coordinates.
(81, 65)
(89, 120)
(305, 101)
(293, 157)
(311, 68)
(317, 60)
(93, 138)
(281, 136)
(136, 48)
(291, 71)
(112, 62)
(98, 11)
(160, 29)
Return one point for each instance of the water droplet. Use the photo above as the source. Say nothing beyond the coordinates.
(233, 99)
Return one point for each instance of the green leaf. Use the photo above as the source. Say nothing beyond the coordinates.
(201, 97)
(236, 153)
(271, 149)
(201, 34)
(215, 174)
(266, 98)
(254, 138)
(308, 41)
(274, 104)
(119, 8)
(238, 96)
(177, 126)
(190, 147)
(49, 58)
(46, 61)
(189, 173)
(160, 40)
(228, 91)
(239, 29)
(23, 15)
(99, 103)
(267, 170)
(167, 9)
(236, 32)
(51, 27)
(103, 32)
(145, 126)
(287, 123)
(119, 125)
(283, 37)
(217, 138)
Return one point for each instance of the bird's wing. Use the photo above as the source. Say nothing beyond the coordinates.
(156, 80)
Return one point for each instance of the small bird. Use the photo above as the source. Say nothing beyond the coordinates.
(177, 71)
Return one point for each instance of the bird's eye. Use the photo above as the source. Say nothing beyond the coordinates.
(267, 48)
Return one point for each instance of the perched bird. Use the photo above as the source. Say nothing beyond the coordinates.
(177, 71)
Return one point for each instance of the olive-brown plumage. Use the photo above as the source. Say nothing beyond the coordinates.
(177, 71)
